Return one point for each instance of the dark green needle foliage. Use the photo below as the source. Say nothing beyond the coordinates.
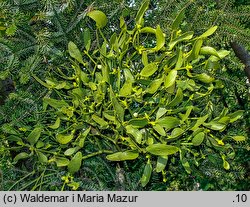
(140, 99)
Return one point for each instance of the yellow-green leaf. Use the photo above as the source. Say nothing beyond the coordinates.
(224, 119)
(42, 157)
(128, 75)
(177, 99)
(223, 53)
(75, 52)
(205, 78)
(75, 163)
(159, 129)
(148, 30)
(84, 77)
(209, 51)
(82, 137)
(209, 32)
(170, 79)
(168, 122)
(119, 110)
(179, 59)
(41, 82)
(162, 149)
(154, 86)
(57, 104)
(99, 121)
(141, 11)
(185, 116)
(138, 122)
(198, 139)
(144, 58)
(121, 156)
(39, 144)
(213, 60)
(109, 116)
(225, 163)
(161, 163)
(195, 50)
(56, 124)
(64, 138)
(20, 156)
(160, 39)
(149, 69)
(61, 85)
(183, 37)
(146, 174)
(186, 165)
(176, 133)
(199, 122)
(71, 151)
(34, 135)
(235, 116)
(61, 161)
(87, 38)
(99, 17)
(126, 88)
(214, 125)
(92, 86)
(122, 43)
(161, 111)
(123, 25)
(239, 138)
(135, 133)
(178, 19)
(69, 111)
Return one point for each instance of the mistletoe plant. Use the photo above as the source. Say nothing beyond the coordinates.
(136, 94)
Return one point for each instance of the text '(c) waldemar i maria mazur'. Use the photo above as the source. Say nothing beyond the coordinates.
(79, 198)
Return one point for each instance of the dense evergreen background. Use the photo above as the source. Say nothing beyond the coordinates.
(33, 41)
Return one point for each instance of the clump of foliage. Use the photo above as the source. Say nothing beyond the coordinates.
(134, 96)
